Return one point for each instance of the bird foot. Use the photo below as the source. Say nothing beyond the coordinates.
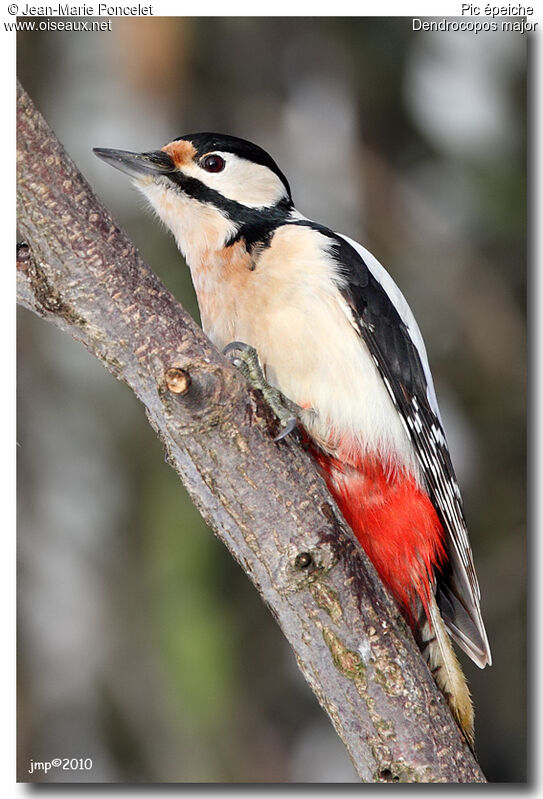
(247, 361)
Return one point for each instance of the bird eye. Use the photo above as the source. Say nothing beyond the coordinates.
(213, 163)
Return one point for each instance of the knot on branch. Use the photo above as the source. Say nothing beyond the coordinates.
(177, 380)
(24, 254)
(303, 561)
(305, 564)
(197, 396)
(48, 299)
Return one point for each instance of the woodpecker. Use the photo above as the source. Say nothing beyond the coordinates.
(334, 337)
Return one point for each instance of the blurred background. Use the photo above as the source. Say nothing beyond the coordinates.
(141, 644)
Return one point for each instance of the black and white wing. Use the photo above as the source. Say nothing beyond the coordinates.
(389, 329)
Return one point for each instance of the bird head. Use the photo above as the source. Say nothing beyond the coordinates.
(207, 188)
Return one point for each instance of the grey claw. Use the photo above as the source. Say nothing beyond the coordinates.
(250, 367)
(291, 425)
(235, 345)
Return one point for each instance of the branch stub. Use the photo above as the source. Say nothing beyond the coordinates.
(177, 380)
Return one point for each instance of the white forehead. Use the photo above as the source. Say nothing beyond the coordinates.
(245, 182)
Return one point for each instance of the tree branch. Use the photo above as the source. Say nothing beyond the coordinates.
(265, 501)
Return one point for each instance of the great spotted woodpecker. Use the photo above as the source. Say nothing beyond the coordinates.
(336, 337)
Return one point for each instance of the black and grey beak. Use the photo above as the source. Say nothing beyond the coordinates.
(137, 164)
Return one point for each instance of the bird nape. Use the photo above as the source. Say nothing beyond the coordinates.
(333, 335)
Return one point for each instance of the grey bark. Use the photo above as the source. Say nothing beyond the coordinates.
(265, 501)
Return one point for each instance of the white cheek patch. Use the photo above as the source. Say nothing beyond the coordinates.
(249, 184)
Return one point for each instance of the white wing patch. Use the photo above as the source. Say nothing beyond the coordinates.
(405, 312)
